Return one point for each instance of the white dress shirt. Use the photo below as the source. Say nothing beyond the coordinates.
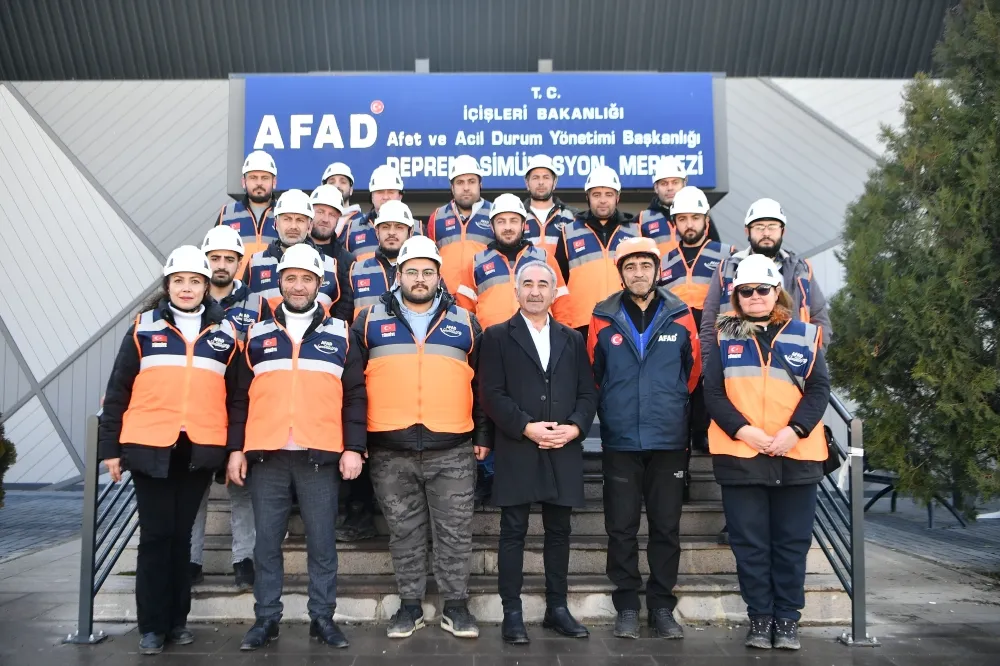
(541, 339)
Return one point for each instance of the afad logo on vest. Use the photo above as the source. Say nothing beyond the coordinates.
(451, 331)
(219, 344)
(325, 347)
(796, 359)
(712, 265)
(617, 339)
(483, 224)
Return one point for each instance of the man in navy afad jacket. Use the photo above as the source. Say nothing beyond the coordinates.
(644, 346)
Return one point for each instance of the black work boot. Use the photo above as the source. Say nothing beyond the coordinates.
(786, 635)
(513, 630)
(561, 621)
(326, 631)
(759, 635)
(261, 633)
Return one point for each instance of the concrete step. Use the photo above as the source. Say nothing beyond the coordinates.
(698, 518)
(369, 599)
(588, 555)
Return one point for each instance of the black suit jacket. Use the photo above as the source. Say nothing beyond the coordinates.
(515, 390)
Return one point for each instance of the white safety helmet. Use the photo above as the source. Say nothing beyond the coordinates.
(187, 259)
(294, 201)
(338, 169)
(259, 160)
(541, 162)
(669, 167)
(689, 200)
(757, 269)
(223, 238)
(384, 177)
(603, 176)
(462, 165)
(418, 247)
(764, 209)
(327, 195)
(394, 211)
(302, 256)
(508, 203)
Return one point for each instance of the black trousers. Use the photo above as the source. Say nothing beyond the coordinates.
(770, 532)
(510, 559)
(656, 477)
(167, 508)
(360, 490)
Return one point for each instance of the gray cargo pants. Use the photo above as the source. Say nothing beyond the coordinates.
(412, 486)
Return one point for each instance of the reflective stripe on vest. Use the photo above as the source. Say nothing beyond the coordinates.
(369, 281)
(458, 242)
(180, 384)
(656, 226)
(296, 390)
(592, 272)
(728, 274)
(255, 236)
(346, 220)
(690, 284)
(428, 382)
(360, 238)
(546, 235)
(765, 395)
(493, 290)
(263, 280)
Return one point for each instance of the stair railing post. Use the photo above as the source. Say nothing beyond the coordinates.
(856, 455)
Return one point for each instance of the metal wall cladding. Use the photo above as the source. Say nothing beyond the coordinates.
(191, 39)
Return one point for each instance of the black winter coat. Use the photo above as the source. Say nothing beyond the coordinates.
(152, 460)
(515, 390)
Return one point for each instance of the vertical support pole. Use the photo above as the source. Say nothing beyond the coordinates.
(88, 542)
(856, 452)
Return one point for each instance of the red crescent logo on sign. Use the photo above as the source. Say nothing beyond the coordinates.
(377, 107)
(616, 339)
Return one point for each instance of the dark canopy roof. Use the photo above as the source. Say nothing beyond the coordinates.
(190, 39)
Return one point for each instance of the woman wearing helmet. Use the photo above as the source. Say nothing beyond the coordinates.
(766, 389)
(165, 421)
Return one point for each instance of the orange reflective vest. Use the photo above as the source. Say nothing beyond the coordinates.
(690, 283)
(593, 275)
(459, 240)
(180, 386)
(655, 225)
(487, 288)
(296, 390)
(765, 394)
(256, 234)
(427, 382)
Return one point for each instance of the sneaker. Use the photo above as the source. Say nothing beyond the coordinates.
(197, 575)
(458, 621)
(663, 624)
(406, 620)
(244, 575)
(759, 635)
(627, 624)
(180, 636)
(786, 635)
(151, 643)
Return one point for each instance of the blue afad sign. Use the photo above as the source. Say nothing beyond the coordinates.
(417, 123)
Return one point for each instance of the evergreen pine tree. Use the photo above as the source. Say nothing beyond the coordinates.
(8, 456)
(919, 318)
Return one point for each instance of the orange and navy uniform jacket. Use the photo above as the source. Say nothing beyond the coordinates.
(546, 233)
(487, 288)
(370, 278)
(690, 283)
(241, 308)
(256, 234)
(644, 380)
(587, 262)
(262, 280)
(351, 214)
(744, 385)
(422, 394)
(459, 240)
(161, 386)
(359, 236)
(311, 393)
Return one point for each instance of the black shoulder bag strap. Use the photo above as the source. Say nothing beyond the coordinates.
(832, 462)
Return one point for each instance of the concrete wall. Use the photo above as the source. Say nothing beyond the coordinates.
(112, 175)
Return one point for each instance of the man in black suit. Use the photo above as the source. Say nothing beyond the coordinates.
(537, 387)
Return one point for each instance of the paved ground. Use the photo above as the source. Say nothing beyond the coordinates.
(32, 520)
(923, 614)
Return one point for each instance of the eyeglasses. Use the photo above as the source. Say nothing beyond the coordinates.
(773, 228)
(761, 289)
(413, 273)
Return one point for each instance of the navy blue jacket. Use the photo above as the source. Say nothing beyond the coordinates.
(643, 398)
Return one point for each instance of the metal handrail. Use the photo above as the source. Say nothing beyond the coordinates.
(110, 520)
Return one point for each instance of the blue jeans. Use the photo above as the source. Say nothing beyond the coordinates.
(486, 464)
(240, 524)
(316, 486)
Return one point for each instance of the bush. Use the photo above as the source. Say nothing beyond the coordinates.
(8, 456)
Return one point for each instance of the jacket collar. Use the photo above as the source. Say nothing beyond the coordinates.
(657, 206)
(212, 315)
(318, 316)
(518, 329)
(495, 246)
(388, 299)
(611, 307)
(275, 248)
(247, 203)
